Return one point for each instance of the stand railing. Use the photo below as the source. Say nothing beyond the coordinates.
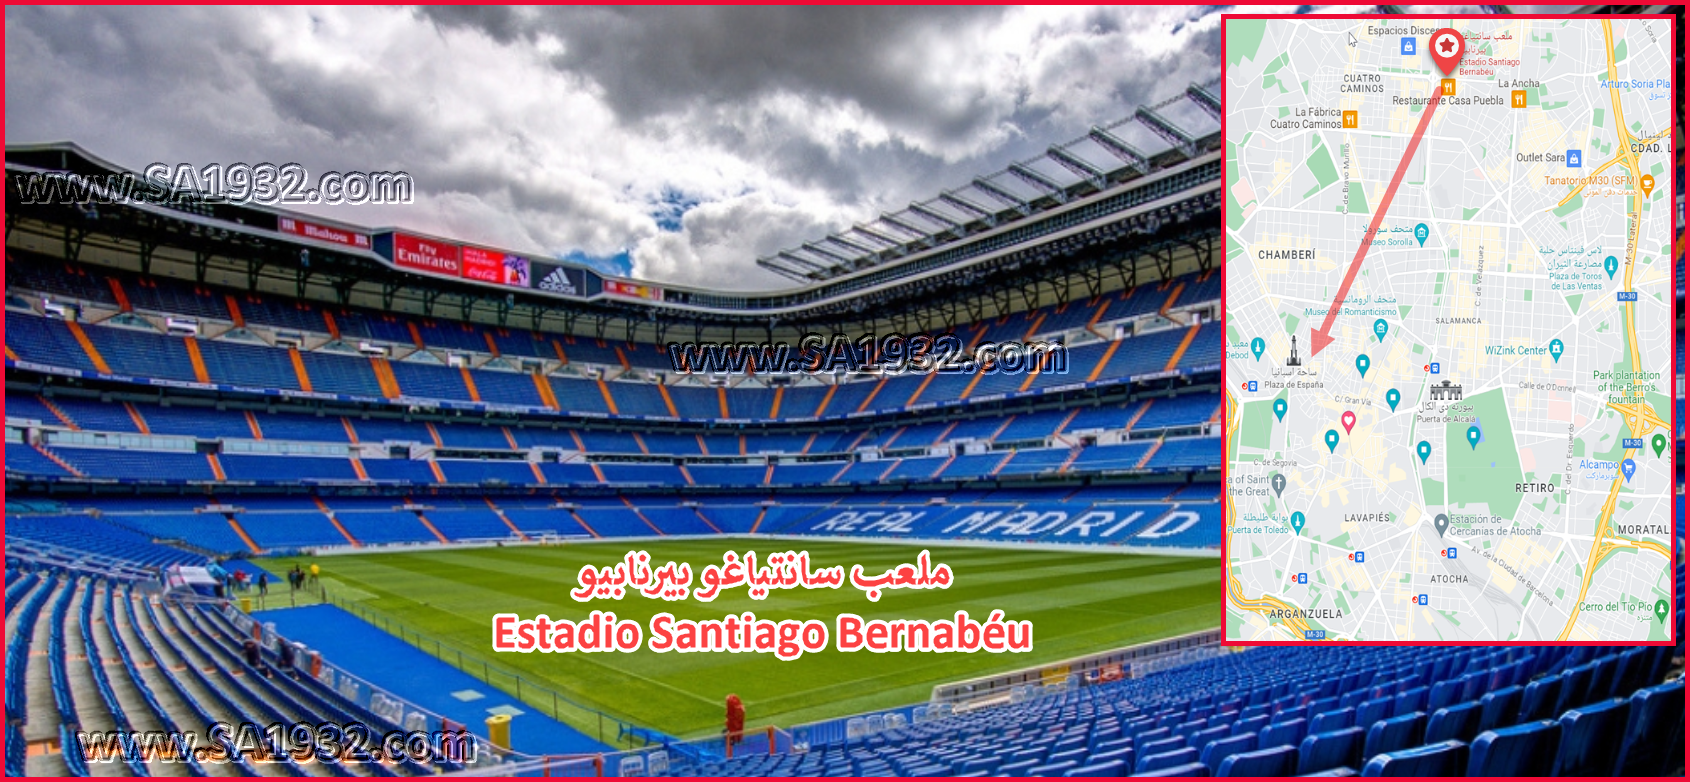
(609, 729)
(672, 755)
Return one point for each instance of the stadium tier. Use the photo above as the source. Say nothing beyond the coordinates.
(130, 528)
(1587, 711)
(1108, 339)
(156, 666)
(529, 409)
(69, 438)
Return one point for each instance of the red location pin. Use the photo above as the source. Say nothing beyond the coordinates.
(1448, 46)
(1349, 420)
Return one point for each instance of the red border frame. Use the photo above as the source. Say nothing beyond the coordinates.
(1226, 386)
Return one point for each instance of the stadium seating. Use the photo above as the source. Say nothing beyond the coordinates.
(113, 659)
(404, 466)
(134, 346)
(1009, 453)
(1212, 717)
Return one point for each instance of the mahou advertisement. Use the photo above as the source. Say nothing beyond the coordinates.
(322, 232)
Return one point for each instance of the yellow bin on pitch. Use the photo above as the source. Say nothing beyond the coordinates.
(246, 605)
(499, 730)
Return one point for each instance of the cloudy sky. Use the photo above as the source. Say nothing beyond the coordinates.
(676, 144)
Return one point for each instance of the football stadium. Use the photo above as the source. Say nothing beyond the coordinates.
(265, 467)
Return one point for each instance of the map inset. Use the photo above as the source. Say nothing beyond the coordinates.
(1449, 334)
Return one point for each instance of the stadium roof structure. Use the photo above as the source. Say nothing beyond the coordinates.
(1177, 129)
(1149, 228)
(1135, 200)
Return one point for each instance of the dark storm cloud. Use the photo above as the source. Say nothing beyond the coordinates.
(655, 60)
(572, 129)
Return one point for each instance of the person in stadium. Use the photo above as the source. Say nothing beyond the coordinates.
(736, 720)
(263, 584)
(254, 660)
(285, 659)
(314, 573)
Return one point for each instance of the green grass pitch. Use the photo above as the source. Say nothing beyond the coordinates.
(1079, 602)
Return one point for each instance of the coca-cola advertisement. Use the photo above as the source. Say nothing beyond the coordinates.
(483, 265)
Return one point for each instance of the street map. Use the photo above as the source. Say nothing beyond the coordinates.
(1449, 340)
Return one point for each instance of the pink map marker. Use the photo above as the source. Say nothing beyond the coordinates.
(1448, 45)
(1349, 420)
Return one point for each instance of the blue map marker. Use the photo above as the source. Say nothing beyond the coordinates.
(1421, 232)
(1628, 467)
(1425, 449)
(1379, 329)
(1297, 521)
(1473, 436)
(1362, 362)
(1555, 348)
(1332, 440)
(1611, 265)
(1392, 397)
(1258, 346)
(1279, 408)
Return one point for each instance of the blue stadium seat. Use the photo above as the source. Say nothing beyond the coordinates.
(1112, 768)
(1053, 769)
(1278, 761)
(1500, 708)
(1538, 702)
(1575, 687)
(1410, 701)
(1443, 694)
(1170, 759)
(1022, 768)
(1332, 749)
(1333, 720)
(1249, 725)
(1442, 759)
(1528, 749)
(1159, 746)
(1218, 750)
(1654, 732)
(1123, 754)
(1290, 733)
(1588, 738)
(1186, 770)
(1369, 712)
(1459, 722)
(1399, 732)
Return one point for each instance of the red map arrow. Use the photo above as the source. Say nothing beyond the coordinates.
(1321, 337)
